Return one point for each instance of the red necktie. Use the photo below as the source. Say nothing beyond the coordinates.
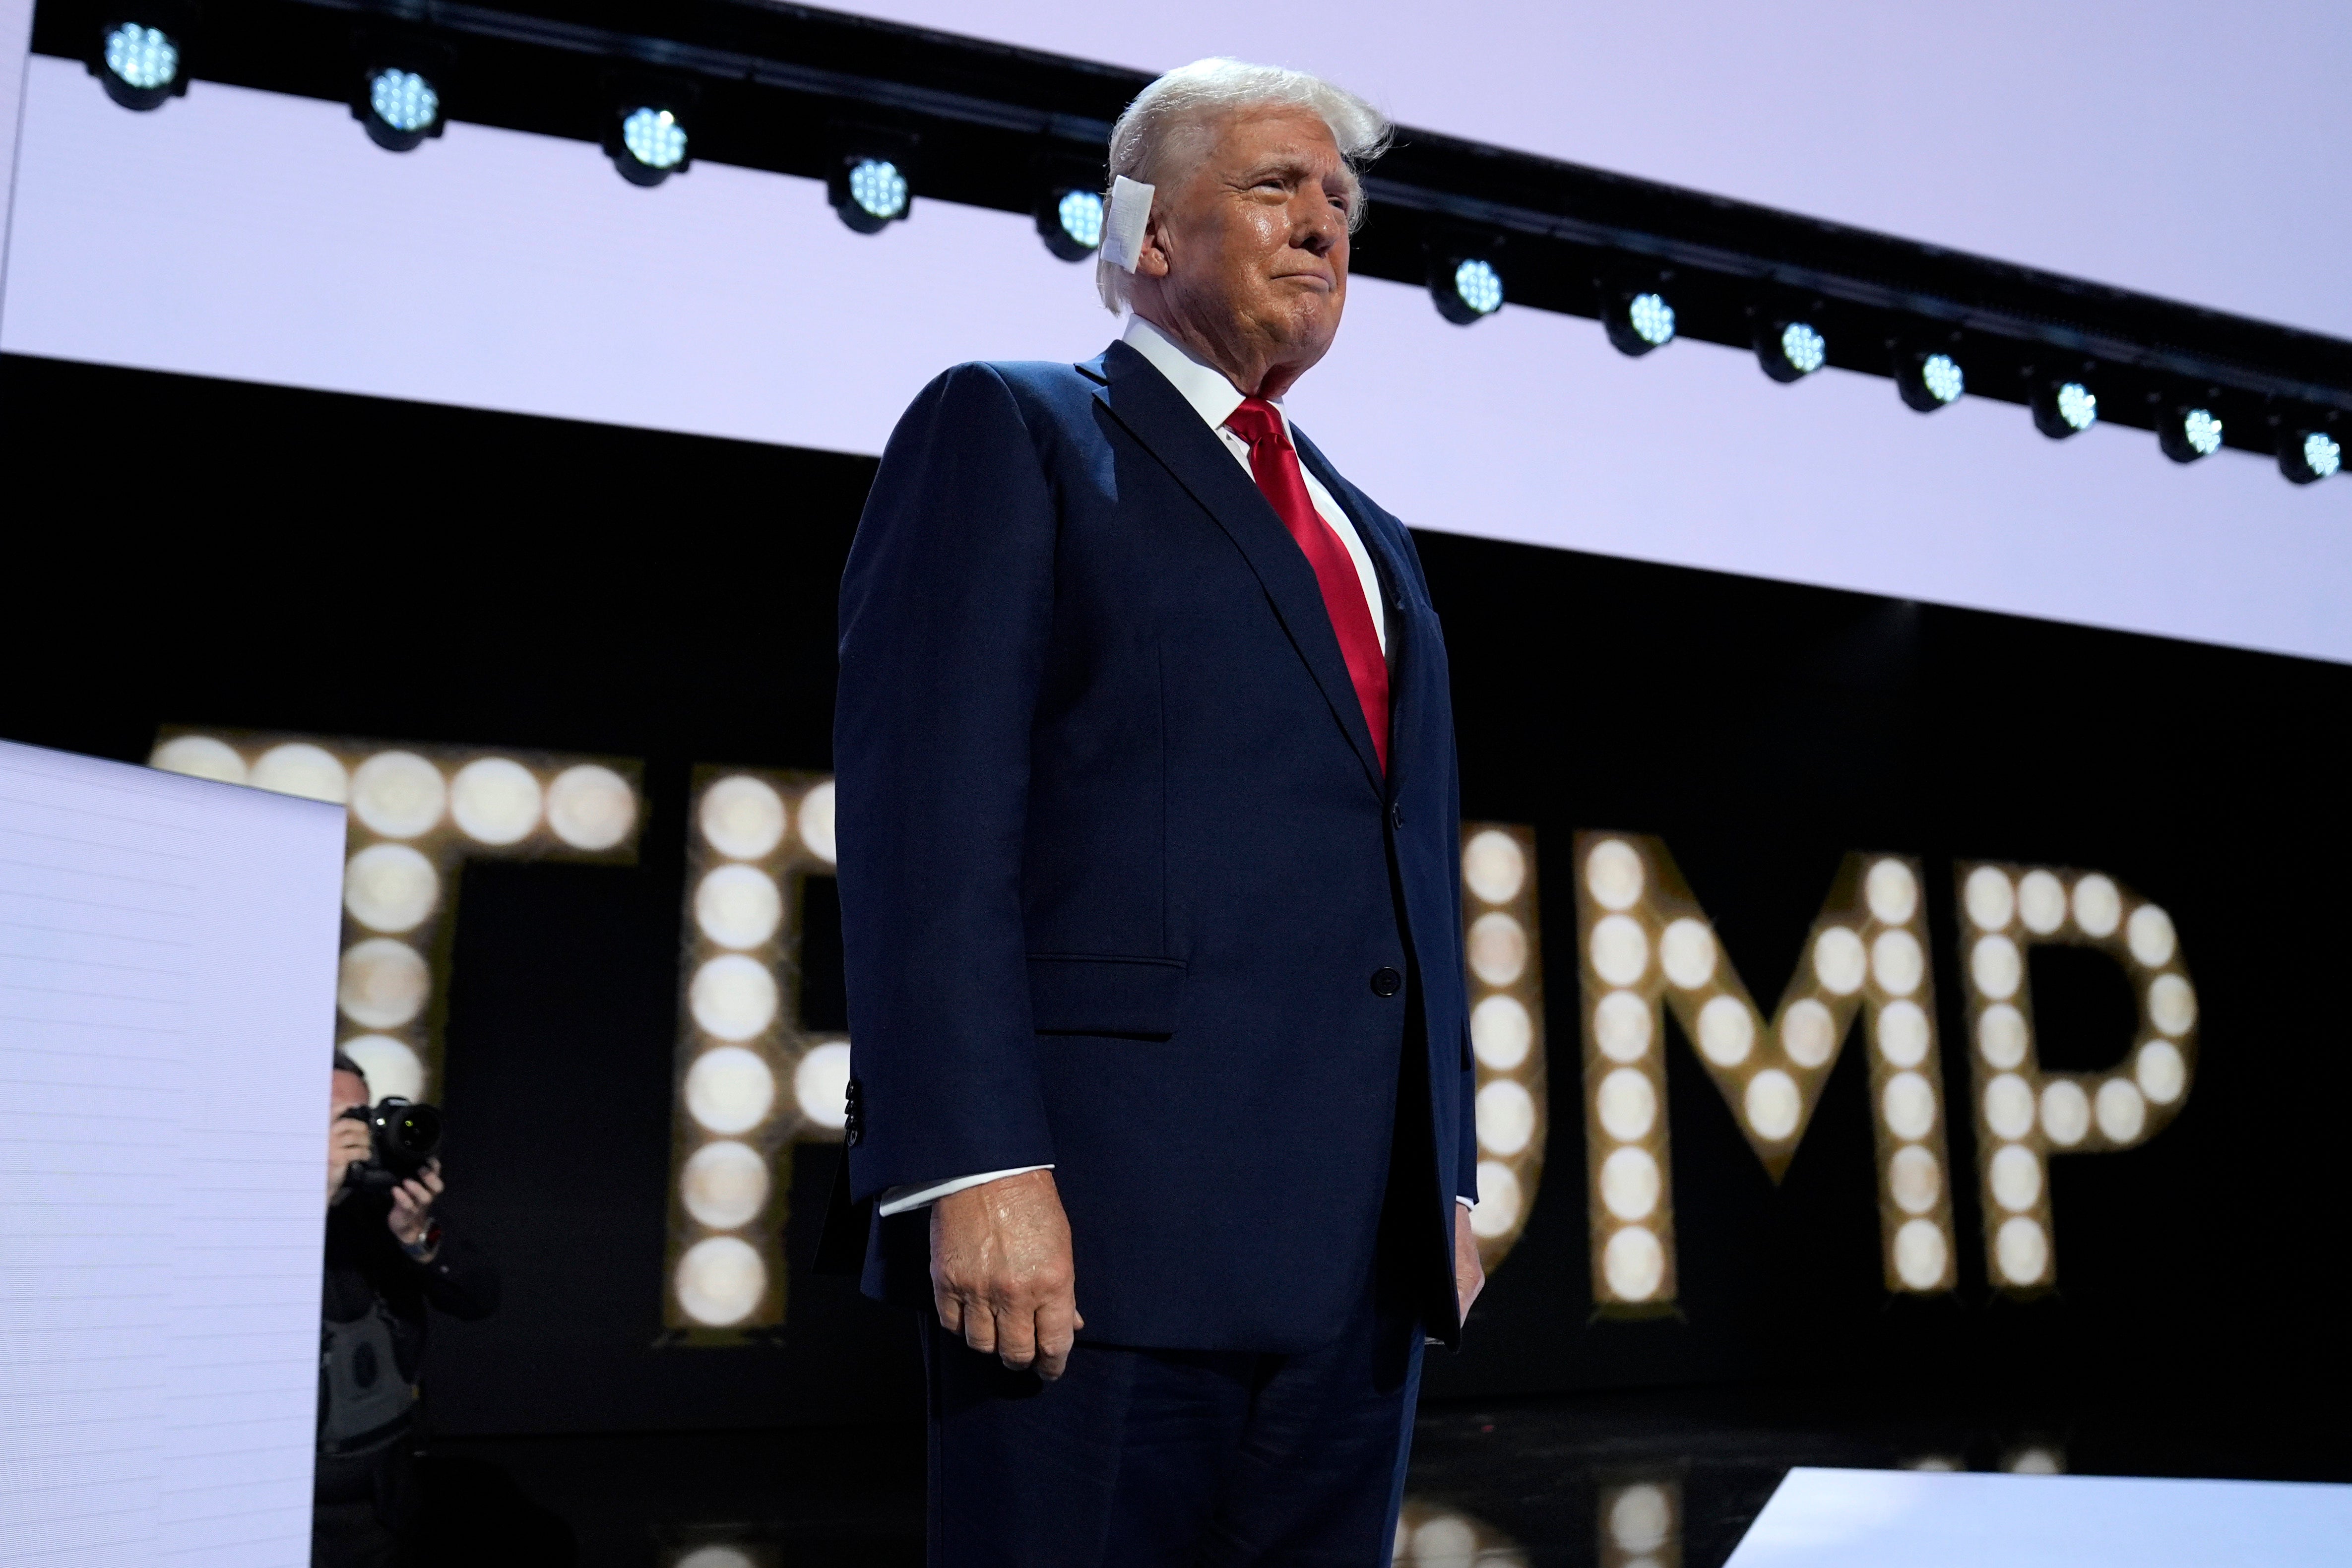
(1275, 463)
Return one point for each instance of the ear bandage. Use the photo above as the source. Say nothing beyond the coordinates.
(1124, 221)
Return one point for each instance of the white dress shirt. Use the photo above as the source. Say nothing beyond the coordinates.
(1214, 399)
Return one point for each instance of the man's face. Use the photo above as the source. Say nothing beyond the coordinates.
(349, 1090)
(1254, 240)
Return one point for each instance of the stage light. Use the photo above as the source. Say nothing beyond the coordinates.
(1070, 222)
(1897, 962)
(2098, 905)
(1928, 382)
(1807, 1034)
(590, 806)
(1891, 890)
(1633, 1264)
(816, 820)
(200, 756)
(732, 996)
(1630, 1182)
(1498, 948)
(1790, 351)
(1774, 1105)
(2161, 1072)
(2122, 1110)
(1467, 289)
(724, 1185)
(1903, 1035)
(1501, 1032)
(390, 888)
(720, 1281)
(383, 983)
(821, 1084)
(2172, 1004)
(871, 193)
(1839, 960)
(1991, 902)
(1727, 1031)
(496, 800)
(398, 794)
(1637, 322)
(2150, 935)
(2040, 901)
(648, 144)
(743, 818)
(1620, 1026)
(1505, 1115)
(737, 906)
(2064, 408)
(298, 768)
(1915, 1178)
(399, 109)
(1921, 1254)
(729, 1090)
(1621, 949)
(2308, 457)
(140, 65)
(2065, 1112)
(2188, 434)
(1495, 868)
(391, 1066)
(1687, 952)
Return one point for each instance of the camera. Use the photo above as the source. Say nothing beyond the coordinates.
(404, 1134)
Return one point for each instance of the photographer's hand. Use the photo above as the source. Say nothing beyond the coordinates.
(348, 1144)
(411, 1205)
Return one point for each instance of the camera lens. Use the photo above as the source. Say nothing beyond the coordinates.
(417, 1130)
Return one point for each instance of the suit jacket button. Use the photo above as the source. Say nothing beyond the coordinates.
(1386, 982)
(1396, 816)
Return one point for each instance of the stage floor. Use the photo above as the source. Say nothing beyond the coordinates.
(1670, 1479)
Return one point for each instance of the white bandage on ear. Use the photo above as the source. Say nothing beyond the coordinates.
(1124, 221)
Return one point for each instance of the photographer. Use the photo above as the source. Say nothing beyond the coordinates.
(387, 1259)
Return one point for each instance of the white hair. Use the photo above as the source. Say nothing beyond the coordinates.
(1165, 131)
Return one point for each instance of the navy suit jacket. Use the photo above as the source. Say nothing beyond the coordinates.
(1119, 870)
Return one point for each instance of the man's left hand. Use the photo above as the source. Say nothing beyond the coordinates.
(411, 1205)
(1469, 1274)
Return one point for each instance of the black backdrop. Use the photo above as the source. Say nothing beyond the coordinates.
(206, 552)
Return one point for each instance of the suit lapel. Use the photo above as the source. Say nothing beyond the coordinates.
(1167, 426)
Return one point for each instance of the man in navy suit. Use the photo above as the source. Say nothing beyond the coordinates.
(1148, 859)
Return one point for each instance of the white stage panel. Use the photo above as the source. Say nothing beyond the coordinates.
(167, 977)
(1870, 1518)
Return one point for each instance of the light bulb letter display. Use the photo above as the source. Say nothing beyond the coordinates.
(1504, 983)
(2024, 1114)
(751, 1082)
(1641, 1522)
(417, 813)
(1645, 945)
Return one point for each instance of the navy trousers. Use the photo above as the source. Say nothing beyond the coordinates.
(1156, 1459)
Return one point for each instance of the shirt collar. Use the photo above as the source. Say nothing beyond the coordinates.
(1213, 397)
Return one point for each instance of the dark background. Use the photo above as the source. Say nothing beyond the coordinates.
(202, 552)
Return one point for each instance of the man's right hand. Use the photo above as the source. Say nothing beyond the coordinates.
(1000, 1271)
(349, 1144)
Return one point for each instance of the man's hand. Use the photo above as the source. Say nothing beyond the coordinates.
(1002, 1274)
(412, 1204)
(1469, 1274)
(349, 1144)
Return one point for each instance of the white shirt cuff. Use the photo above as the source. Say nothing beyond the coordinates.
(1466, 1202)
(900, 1199)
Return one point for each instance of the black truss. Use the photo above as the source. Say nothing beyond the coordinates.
(778, 87)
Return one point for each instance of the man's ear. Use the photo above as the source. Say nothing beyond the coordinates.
(1151, 258)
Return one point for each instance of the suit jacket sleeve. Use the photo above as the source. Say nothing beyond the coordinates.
(946, 606)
